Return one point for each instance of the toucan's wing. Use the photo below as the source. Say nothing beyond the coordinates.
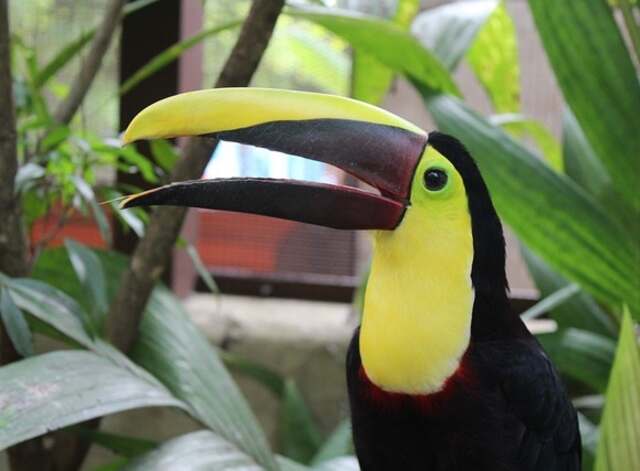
(545, 421)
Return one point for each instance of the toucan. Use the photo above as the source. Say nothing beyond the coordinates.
(441, 374)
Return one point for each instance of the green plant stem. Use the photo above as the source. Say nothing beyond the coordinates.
(632, 26)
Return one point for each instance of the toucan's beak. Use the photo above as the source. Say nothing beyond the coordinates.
(371, 144)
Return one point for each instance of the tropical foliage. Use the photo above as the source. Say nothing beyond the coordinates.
(572, 202)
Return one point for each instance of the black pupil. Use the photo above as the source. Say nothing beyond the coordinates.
(435, 179)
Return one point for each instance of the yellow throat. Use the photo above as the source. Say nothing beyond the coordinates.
(419, 300)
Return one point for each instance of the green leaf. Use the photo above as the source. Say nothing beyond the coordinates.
(370, 80)
(63, 57)
(339, 443)
(268, 378)
(131, 156)
(581, 162)
(171, 348)
(54, 137)
(383, 40)
(582, 355)
(87, 194)
(551, 301)
(172, 53)
(51, 391)
(51, 306)
(520, 126)
(572, 232)
(449, 30)
(27, 174)
(589, 437)
(195, 450)
(90, 273)
(115, 465)
(580, 311)
(494, 60)
(309, 50)
(344, 463)
(129, 447)
(584, 167)
(202, 270)
(599, 82)
(164, 154)
(620, 427)
(15, 324)
(130, 217)
(73, 48)
(300, 438)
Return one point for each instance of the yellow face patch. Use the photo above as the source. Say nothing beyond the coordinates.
(419, 300)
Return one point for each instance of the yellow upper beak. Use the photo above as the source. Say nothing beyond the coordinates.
(216, 110)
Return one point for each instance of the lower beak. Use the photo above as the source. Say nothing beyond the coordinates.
(371, 144)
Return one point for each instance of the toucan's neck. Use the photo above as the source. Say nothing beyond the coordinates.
(418, 305)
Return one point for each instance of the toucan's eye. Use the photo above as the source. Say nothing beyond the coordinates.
(435, 179)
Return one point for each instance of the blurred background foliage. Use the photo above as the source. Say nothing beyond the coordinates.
(571, 198)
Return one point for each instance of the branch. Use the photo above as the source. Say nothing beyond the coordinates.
(13, 256)
(90, 66)
(153, 251)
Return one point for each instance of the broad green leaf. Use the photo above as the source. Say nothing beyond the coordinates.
(202, 271)
(552, 301)
(383, 40)
(620, 427)
(581, 162)
(89, 271)
(299, 435)
(494, 60)
(308, 49)
(520, 127)
(87, 194)
(54, 390)
(171, 348)
(599, 82)
(172, 53)
(50, 306)
(572, 232)
(15, 324)
(584, 167)
(582, 355)
(370, 79)
(449, 30)
(202, 450)
(580, 311)
(339, 443)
